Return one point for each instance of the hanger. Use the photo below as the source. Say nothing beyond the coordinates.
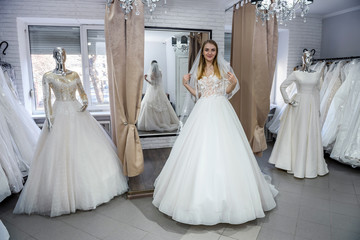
(7, 45)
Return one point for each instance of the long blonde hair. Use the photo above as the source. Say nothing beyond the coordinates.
(202, 62)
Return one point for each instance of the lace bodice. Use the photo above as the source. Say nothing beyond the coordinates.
(212, 86)
(64, 88)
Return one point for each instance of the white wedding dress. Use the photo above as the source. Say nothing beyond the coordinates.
(347, 143)
(336, 110)
(332, 86)
(298, 148)
(18, 136)
(156, 113)
(75, 165)
(211, 175)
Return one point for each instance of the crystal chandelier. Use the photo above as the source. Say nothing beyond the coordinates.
(128, 5)
(284, 10)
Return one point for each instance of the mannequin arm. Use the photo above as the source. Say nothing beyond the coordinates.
(291, 78)
(47, 101)
(82, 93)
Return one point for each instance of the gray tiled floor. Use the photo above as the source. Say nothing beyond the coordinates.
(323, 208)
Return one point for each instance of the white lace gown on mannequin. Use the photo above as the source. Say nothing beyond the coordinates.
(156, 113)
(211, 175)
(347, 144)
(298, 147)
(18, 136)
(75, 165)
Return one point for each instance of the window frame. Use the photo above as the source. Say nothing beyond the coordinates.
(26, 63)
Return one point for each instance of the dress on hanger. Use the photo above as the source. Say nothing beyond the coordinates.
(298, 147)
(18, 135)
(75, 165)
(156, 113)
(4, 185)
(347, 144)
(332, 87)
(336, 110)
(211, 175)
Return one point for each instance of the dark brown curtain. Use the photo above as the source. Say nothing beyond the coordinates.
(195, 42)
(125, 59)
(253, 58)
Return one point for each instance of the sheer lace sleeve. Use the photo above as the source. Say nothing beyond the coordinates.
(47, 96)
(81, 90)
(290, 79)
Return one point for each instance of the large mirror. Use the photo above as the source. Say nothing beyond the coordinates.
(168, 54)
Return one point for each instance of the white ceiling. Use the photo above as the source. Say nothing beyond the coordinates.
(319, 7)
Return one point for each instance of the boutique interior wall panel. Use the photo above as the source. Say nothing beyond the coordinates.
(176, 15)
(341, 35)
(303, 35)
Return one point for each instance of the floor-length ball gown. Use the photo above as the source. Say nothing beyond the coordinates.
(211, 175)
(347, 144)
(298, 147)
(75, 165)
(18, 132)
(156, 112)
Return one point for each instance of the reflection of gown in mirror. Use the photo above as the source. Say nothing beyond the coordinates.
(156, 113)
(18, 135)
(75, 164)
(211, 175)
(298, 148)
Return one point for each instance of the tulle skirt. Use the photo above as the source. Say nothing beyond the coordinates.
(211, 175)
(156, 113)
(75, 166)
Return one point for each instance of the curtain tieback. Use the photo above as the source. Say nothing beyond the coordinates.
(125, 123)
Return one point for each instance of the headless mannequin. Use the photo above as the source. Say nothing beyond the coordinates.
(307, 59)
(60, 73)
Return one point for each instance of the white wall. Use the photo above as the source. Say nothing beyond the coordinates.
(341, 35)
(187, 15)
(155, 51)
(171, 71)
(303, 35)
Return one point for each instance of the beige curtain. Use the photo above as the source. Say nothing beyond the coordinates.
(195, 42)
(253, 58)
(125, 58)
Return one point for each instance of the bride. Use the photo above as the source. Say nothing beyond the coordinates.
(156, 113)
(211, 175)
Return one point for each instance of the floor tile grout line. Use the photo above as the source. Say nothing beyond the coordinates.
(79, 229)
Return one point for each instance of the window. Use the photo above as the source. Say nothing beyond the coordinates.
(86, 55)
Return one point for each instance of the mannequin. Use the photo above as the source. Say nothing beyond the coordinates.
(298, 148)
(307, 59)
(75, 165)
(59, 54)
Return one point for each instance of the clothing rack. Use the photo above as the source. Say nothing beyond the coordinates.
(335, 59)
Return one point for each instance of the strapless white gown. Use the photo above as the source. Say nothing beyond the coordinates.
(211, 175)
